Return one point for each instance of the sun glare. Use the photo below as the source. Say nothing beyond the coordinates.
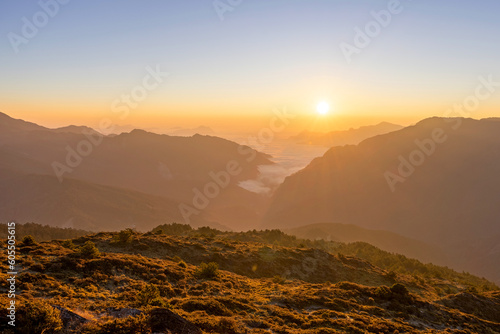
(323, 108)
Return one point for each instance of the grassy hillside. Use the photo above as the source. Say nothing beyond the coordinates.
(386, 240)
(206, 281)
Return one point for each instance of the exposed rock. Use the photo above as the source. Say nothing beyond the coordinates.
(70, 319)
(163, 320)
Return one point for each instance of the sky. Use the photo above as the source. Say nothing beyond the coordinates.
(232, 63)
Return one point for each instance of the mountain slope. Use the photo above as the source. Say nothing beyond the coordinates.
(78, 204)
(388, 241)
(122, 283)
(200, 172)
(452, 196)
(13, 125)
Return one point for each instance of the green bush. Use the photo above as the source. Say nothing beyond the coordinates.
(68, 244)
(399, 289)
(38, 317)
(207, 270)
(29, 241)
(125, 236)
(150, 296)
(89, 250)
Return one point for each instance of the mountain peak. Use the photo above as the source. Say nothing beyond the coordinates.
(9, 123)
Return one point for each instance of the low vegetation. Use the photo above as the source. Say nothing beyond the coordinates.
(42, 232)
(207, 281)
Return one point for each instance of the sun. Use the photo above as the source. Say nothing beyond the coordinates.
(322, 108)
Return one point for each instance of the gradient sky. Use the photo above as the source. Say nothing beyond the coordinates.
(264, 54)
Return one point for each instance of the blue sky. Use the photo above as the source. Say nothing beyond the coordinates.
(264, 53)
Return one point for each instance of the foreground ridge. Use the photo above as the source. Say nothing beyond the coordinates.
(207, 281)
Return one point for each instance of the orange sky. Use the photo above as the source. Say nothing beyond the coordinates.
(232, 117)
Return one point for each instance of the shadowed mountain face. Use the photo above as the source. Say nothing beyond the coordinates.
(201, 172)
(73, 203)
(347, 137)
(436, 181)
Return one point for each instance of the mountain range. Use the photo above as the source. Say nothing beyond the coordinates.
(75, 175)
(428, 191)
(436, 182)
(345, 137)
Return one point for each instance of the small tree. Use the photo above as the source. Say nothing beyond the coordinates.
(150, 296)
(89, 250)
(125, 236)
(68, 244)
(207, 270)
(29, 241)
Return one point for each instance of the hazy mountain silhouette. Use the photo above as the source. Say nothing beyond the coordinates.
(201, 130)
(347, 137)
(174, 168)
(9, 124)
(76, 129)
(78, 204)
(450, 198)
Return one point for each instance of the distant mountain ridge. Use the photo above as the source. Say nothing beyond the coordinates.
(346, 137)
(201, 130)
(174, 168)
(76, 129)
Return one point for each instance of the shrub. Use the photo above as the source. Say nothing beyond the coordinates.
(279, 279)
(228, 325)
(399, 289)
(68, 244)
(383, 292)
(29, 241)
(125, 236)
(37, 317)
(173, 229)
(208, 232)
(207, 270)
(471, 289)
(89, 250)
(150, 296)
